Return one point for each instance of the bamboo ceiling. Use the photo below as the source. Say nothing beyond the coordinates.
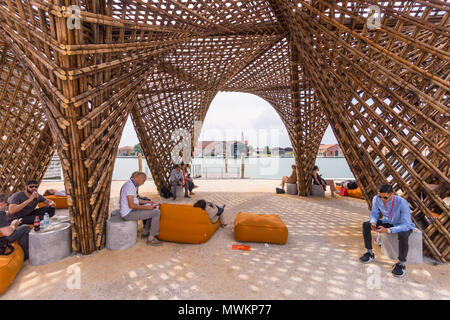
(70, 79)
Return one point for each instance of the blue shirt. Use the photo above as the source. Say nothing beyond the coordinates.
(400, 217)
(176, 176)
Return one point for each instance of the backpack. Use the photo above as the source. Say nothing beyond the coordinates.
(352, 185)
(165, 193)
(279, 190)
(5, 247)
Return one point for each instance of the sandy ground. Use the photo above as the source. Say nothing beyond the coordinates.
(320, 260)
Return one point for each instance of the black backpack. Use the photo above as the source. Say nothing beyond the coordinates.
(279, 190)
(5, 247)
(352, 185)
(165, 193)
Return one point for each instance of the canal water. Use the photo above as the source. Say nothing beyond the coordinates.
(255, 168)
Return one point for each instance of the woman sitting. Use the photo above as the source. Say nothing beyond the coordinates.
(187, 177)
(214, 212)
(291, 179)
(54, 192)
(318, 180)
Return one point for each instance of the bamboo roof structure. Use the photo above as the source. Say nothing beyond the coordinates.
(72, 72)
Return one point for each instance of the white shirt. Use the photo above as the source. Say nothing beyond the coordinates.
(128, 189)
(212, 213)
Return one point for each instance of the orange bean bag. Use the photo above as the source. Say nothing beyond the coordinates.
(354, 193)
(186, 224)
(10, 266)
(60, 201)
(268, 228)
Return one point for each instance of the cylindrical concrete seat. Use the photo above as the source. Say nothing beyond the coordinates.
(317, 191)
(291, 188)
(180, 191)
(59, 219)
(50, 244)
(120, 234)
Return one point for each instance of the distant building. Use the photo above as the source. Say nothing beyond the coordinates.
(260, 151)
(278, 151)
(233, 148)
(330, 150)
(125, 151)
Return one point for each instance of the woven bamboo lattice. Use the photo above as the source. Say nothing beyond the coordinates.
(26, 145)
(383, 87)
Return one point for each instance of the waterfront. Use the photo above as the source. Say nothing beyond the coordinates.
(255, 168)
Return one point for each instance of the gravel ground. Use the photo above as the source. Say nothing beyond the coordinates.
(320, 260)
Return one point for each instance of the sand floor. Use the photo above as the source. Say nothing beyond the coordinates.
(320, 260)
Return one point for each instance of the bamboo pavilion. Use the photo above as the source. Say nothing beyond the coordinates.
(73, 71)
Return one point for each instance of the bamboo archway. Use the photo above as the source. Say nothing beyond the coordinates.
(381, 81)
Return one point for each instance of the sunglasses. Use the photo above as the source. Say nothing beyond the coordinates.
(385, 198)
(33, 187)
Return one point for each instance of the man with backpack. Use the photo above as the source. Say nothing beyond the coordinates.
(11, 232)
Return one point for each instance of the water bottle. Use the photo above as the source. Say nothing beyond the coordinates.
(46, 220)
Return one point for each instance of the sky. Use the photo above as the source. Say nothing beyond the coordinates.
(233, 114)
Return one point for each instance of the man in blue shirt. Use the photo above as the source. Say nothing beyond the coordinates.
(390, 214)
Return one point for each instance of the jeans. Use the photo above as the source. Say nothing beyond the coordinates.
(403, 238)
(21, 236)
(29, 218)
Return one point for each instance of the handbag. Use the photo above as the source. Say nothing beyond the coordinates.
(279, 190)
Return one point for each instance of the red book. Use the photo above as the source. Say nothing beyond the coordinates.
(240, 247)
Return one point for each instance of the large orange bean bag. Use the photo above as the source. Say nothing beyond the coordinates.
(10, 266)
(354, 193)
(268, 228)
(186, 224)
(60, 201)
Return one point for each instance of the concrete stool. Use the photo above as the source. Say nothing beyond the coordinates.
(50, 244)
(59, 219)
(120, 234)
(291, 188)
(317, 191)
(179, 191)
(389, 246)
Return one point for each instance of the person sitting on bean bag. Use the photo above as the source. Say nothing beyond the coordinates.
(214, 212)
(12, 231)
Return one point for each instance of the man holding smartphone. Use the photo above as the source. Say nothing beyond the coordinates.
(11, 230)
(23, 204)
(390, 214)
